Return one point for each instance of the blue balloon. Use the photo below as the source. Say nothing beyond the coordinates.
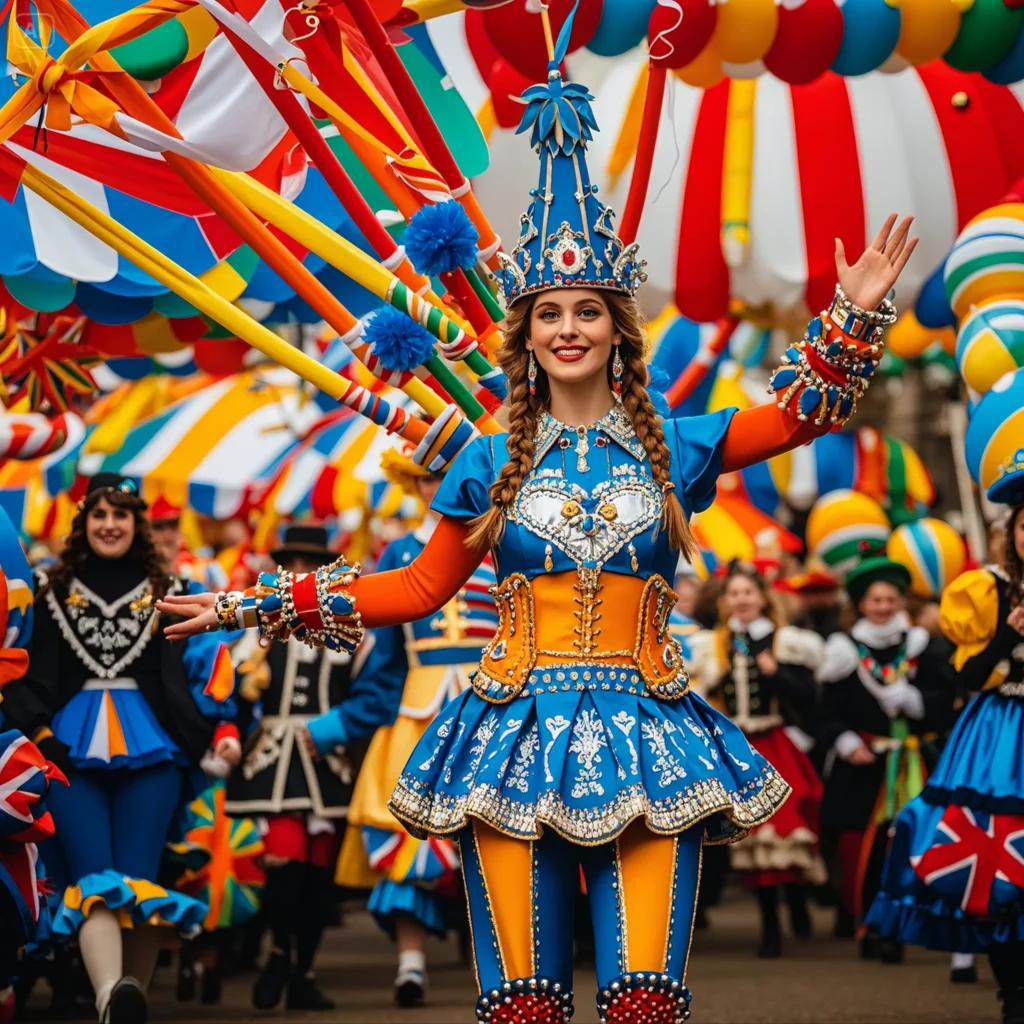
(933, 309)
(1011, 68)
(871, 29)
(995, 455)
(622, 26)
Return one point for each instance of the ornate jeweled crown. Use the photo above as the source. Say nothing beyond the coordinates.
(568, 237)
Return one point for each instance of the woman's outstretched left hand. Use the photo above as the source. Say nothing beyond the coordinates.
(869, 280)
(197, 611)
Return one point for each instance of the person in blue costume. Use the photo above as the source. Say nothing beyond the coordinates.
(580, 744)
(409, 674)
(125, 715)
(954, 878)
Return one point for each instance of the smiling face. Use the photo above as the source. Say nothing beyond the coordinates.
(743, 598)
(110, 529)
(571, 334)
(881, 601)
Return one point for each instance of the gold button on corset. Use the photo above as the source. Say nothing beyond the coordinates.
(585, 617)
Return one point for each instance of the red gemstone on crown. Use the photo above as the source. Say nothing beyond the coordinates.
(569, 257)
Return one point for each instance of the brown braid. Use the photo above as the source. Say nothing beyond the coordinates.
(143, 550)
(646, 422)
(524, 411)
(1014, 564)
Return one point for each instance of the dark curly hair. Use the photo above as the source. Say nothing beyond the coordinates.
(1013, 563)
(143, 550)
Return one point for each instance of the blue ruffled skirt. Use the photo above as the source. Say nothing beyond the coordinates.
(954, 876)
(113, 728)
(585, 762)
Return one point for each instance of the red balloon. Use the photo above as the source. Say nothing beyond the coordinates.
(484, 54)
(806, 42)
(507, 85)
(677, 34)
(518, 35)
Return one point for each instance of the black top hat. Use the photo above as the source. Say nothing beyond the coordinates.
(304, 540)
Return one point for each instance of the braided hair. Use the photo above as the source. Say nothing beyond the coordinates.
(143, 550)
(1013, 563)
(525, 410)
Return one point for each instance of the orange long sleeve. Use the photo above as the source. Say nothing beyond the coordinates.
(763, 432)
(423, 586)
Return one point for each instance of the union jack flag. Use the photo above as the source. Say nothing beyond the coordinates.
(971, 853)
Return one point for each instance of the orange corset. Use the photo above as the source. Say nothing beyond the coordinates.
(582, 618)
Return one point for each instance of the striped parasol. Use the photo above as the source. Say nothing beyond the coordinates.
(208, 450)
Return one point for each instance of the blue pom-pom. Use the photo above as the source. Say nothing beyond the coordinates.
(398, 341)
(656, 388)
(441, 239)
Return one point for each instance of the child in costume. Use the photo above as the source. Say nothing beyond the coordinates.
(883, 700)
(302, 803)
(409, 675)
(761, 674)
(954, 879)
(579, 743)
(125, 714)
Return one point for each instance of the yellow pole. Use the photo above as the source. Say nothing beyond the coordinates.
(190, 288)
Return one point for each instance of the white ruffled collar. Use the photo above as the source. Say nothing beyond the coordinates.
(757, 630)
(878, 637)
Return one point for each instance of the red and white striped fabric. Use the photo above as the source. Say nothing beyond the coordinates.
(32, 435)
(832, 158)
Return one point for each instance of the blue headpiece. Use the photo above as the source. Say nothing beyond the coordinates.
(567, 239)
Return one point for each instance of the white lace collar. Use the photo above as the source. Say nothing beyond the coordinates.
(757, 630)
(887, 634)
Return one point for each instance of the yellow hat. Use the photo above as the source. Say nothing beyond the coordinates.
(400, 469)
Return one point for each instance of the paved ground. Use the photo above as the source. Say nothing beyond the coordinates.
(817, 981)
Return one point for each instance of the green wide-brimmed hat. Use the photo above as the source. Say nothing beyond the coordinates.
(876, 568)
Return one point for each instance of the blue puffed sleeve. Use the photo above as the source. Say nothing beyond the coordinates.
(209, 672)
(376, 689)
(696, 444)
(463, 493)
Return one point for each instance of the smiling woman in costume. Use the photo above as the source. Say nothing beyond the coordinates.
(954, 879)
(124, 714)
(579, 744)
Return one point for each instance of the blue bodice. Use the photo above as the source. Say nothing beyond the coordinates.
(590, 500)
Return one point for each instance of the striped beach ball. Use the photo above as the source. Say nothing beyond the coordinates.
(995, 440)
(840, 524)
(933, 552)
(987, 261)
(991, 343)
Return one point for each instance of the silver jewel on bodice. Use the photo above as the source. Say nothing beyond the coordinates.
(589, 527)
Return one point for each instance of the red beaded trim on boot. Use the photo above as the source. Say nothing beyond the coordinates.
(644, 999)
(526, 1001)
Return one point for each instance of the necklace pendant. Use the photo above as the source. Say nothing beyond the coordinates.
(582, 447)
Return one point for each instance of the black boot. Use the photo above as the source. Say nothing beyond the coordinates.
(869, 946)
(890, 951)
(771, 935)
(966, 975)
(846, 924)
(269, 986)
(1007, 960)
(410, 989)
(210, 990)
(127, 1004)
(799, 918)
(305, 994)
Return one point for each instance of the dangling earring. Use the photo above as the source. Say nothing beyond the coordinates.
(531, 374)
(617, 368)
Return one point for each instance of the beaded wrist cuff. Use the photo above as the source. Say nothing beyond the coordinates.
(227, 611)
(825, 374)
(314, 608)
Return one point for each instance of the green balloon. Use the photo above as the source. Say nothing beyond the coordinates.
(155, 53)
(987, 33)
(457, 123)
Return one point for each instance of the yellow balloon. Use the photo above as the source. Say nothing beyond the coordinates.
(927, 28)
(745, 29)
(705, 70)
(909, 338)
